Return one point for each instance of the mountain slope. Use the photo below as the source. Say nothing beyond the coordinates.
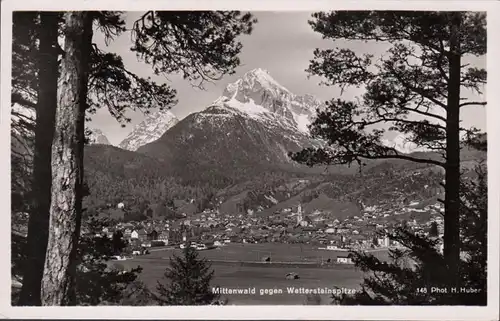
(150, 129)
(256, 122)
(98, 137)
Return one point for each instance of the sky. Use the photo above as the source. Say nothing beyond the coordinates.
(281, 43)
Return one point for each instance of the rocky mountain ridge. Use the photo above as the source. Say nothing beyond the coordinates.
(149, 130)
(98, 137)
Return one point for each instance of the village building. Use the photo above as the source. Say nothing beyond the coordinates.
(344, 259)
(152, 236)
(142, 234)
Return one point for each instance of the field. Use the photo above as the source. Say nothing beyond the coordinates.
(267, 279)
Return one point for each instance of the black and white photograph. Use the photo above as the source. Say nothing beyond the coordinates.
(235, 158)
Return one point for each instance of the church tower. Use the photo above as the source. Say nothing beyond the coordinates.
(299, 214)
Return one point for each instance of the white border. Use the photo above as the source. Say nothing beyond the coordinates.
(491, 312)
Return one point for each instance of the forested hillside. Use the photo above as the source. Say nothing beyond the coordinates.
(150, 188)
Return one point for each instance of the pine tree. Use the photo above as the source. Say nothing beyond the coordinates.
(202, 45)
(188, 281)
(118, 242)
(415, 89)
(434, 230)
(35, 40)
(201, 54)
(47, 66)
(58, 287)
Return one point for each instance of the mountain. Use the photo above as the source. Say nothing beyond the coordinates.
(150, 129)
(257, 87)
(402, 144)
(98, 137)
(255, 123)
(234, 154)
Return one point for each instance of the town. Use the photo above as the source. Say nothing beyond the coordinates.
(211, 228)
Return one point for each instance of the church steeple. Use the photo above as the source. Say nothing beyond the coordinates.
(299, 214)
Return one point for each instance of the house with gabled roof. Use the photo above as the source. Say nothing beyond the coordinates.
(142, 234)
(152, 236)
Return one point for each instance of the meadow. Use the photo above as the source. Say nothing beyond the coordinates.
(269, 281)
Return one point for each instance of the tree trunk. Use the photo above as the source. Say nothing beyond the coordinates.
(38, 225)
(67, 163)
(452, 176)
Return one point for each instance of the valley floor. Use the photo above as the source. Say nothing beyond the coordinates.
(269, 281)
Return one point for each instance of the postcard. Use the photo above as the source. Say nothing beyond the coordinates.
(248, 160)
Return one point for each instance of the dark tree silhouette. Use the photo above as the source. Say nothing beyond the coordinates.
(434, 230)
(34, 90)
(414, 89)
(118, 242)
(46, 91)
(202, 45)
(117, 88)
(187, 281)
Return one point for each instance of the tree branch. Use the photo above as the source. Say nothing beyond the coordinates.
(417, 90)
(18, 99)
(471, 103)
(406, 157)
(424, 113)
(440, 61)
(396, 120)
(396, 155)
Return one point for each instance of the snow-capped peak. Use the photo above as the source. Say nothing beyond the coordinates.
(149, 130)
(254, 81)
(257, 92)
(263, 78)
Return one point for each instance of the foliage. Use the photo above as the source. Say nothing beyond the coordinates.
(408, 278)
(96, 282)
(24, 91)
(24, 58)
(474, 233)
(21, 171)
(188, 281)
(118, 242)
(199, 44)
(406, 89)
(111, 85)
(18, 250)
(137, 294)
(114, 87)
(143, 183)
(115, 175)
(414, 89)
(434, 230)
